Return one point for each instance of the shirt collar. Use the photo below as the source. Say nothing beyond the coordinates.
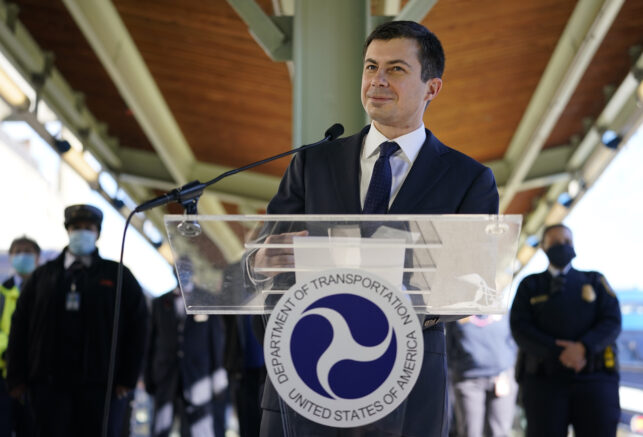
(556, 271)
(70, 258)
(410, 143)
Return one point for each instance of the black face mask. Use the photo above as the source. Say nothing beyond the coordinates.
(561, 254)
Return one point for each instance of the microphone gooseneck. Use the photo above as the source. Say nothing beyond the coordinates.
(188, 194)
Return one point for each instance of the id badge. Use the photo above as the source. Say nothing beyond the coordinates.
(72, 303)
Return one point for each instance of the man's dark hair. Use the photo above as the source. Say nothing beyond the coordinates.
(430, 53)
(24, 240)
(554, 226)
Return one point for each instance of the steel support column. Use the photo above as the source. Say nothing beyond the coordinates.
(327, 55)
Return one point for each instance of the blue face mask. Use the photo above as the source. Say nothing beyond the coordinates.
(82, 242)
(24, 263)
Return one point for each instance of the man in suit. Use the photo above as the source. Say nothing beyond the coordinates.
(393, 166)
(566, 322)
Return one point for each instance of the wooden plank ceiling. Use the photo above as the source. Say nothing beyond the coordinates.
(233, 104)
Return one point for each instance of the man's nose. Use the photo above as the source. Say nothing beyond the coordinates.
(379, 79)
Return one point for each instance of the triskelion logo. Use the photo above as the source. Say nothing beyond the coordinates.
(343, 349)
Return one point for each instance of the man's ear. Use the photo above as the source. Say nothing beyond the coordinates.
(433, 87)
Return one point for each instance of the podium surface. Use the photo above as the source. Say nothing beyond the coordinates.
(445, 264)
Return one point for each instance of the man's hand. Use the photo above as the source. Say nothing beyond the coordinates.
(278, 257)
(573, 354)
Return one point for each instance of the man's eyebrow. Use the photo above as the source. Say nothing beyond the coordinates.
(391, 62)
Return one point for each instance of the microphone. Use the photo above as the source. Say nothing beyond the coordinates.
(188, 194)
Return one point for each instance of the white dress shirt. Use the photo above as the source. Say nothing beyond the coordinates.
(401, 161)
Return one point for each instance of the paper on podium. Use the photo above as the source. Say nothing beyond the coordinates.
(381, 256)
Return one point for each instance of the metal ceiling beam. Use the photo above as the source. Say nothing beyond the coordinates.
(549, 162)
(102, 26)
(32, 62)
(416, 10)
(256, 189)
(588, 24)
(623, 114)
(273, 34)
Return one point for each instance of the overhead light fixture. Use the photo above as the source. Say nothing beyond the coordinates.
(66, 134)
(62, 146)
(5, 110)
(117, 203)
(575, 186)
(11, 93)
(76, 161)
(532, 240)
(152, 233)
(92, 161)
(556, 214)
(108, 184)
(565, 199)
(611, 139)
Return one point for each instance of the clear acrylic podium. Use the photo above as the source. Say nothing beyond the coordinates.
(446, 265)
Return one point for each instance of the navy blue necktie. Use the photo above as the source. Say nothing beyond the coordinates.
(379, 189)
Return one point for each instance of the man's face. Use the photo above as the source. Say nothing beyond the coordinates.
(24, 258)
(393, 93)
(82, 237)
(557, 236)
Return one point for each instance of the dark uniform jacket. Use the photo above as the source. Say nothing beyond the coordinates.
(36, 326)
(582, 307)
(326, 180)
(182, 352)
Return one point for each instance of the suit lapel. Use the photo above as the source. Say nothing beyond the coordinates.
(425, 173)
(344, 166)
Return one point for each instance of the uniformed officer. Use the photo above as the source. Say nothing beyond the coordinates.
(566, 322)
(60, 339)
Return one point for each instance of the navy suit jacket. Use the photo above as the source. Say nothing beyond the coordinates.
(326, 180)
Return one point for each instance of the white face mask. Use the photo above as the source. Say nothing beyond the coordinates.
(82, 242)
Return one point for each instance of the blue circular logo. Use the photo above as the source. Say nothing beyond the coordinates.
(343, 348)
(339, 338)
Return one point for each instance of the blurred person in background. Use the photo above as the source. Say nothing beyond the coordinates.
(247, 370)
(244, 353)
(24, 255)
(481, 356)
(61, 333)
(566, 322)
(184, 368)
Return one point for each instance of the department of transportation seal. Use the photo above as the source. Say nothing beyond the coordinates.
(344, 348)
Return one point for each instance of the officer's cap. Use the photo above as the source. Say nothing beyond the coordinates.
(83, 213)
